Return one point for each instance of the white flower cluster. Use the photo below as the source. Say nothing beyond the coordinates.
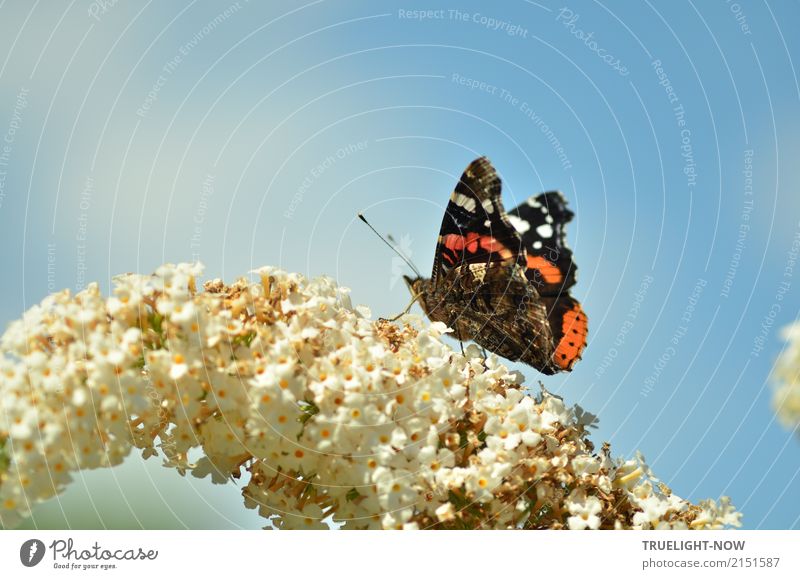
(337, 419)
(786, 396)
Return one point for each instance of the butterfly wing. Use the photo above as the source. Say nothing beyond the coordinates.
(479, 274)
(494, 305)
(541, 223)
(569, 327)
(507, 316)
(475, 229)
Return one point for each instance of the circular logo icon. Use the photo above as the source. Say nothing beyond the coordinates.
(31, 552)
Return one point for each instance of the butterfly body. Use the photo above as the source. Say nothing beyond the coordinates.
(502, 280)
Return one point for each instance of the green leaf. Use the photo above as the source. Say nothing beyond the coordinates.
(309, 409)
(157, 323)
(5, 460)
(457, 501)
(245, 339)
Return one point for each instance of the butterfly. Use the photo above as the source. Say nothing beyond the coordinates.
(502, 279)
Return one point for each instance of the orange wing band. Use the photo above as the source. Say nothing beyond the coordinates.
(550, 273)
(574, 328)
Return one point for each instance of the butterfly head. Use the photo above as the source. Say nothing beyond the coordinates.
(416, 285)
(419, 288)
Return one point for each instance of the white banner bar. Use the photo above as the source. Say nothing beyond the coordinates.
(373, 554)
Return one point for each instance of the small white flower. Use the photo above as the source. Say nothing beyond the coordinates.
(446, 513)
(584, 510)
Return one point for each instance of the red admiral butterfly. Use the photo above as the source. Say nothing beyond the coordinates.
(502, 279)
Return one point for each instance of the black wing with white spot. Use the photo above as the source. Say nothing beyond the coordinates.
(541, 222)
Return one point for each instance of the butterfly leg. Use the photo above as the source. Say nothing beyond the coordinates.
(460, 342)
(405, 311)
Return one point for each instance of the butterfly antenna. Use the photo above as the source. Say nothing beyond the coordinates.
(393, 247)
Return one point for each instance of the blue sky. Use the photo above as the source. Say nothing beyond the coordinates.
(244, 135)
